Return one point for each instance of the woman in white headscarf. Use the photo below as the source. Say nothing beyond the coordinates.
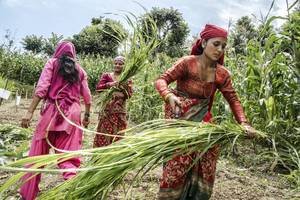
(113, 118)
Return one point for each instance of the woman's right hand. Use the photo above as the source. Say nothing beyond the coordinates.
(175, 104)
(250, 131)
(25, 123)
(113, 84)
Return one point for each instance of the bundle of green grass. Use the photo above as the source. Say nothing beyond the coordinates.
(143, 148)
(141, 47)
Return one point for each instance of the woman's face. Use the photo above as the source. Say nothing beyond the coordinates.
(118, 66)
(215, 47)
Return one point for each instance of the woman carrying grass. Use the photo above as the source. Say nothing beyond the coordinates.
(198, 76)
(62, 81)
(113, 118)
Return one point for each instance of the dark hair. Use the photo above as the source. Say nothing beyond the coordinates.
(67, 69)
(197, 48)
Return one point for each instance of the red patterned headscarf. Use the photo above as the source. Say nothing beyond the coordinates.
(210, 31)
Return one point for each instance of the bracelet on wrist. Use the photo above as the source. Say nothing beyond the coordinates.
(166, 97)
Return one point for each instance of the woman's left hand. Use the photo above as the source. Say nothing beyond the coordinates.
(85, 122)
(118, 95)
(25, 123)
(250, 131)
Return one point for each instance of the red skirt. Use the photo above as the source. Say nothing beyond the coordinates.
(181, 180)
(111, 121)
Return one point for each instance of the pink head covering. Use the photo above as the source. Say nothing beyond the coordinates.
(210, 31)
(65, 48)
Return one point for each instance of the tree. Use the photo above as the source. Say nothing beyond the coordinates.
(172, 30)
(50, 43)
(243, 31)
(9, 41)
(39, 44)
(33, 43)
(102, 37)
(189, 43)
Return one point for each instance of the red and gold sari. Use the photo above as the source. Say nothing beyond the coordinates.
(113, 119)
(196, 100)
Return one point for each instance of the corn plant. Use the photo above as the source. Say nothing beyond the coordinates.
(145, 97)
(267, 79)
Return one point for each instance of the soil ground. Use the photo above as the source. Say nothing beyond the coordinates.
(236, 178)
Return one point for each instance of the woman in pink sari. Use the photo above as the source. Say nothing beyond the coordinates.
(113, 118)
(63, 81)
(198, 77)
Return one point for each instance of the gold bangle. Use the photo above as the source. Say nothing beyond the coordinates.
(167, 96)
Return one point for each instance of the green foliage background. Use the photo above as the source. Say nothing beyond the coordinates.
(265, 74)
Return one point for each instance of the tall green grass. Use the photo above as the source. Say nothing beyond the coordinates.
(138, 48)
(144, 147)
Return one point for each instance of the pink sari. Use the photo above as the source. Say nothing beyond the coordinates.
(52, 87)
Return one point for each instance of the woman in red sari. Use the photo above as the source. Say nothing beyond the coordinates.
(113, 118)
(198, 76)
